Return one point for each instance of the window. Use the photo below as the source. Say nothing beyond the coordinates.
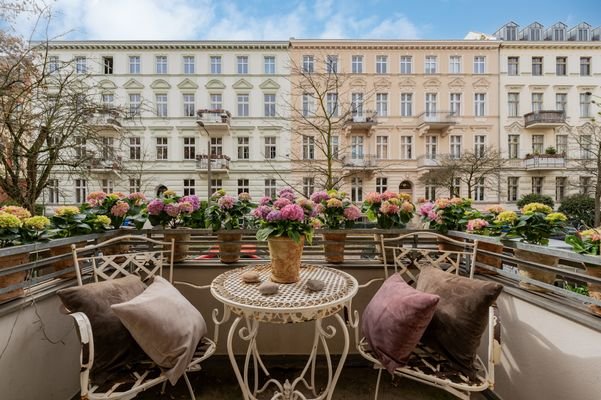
(189, 105)
(108, 149)
(335, 147)
(513, 146)
(332, 104)
(134, 185)
(456, 104)
(357, 104)
(270, 187)
(381, 64)
(561, 66)
(431, 105)
(357, 64)
(431, 65)
(53, 191)
(215, 64)
(513, 104)
(537, 184)
(585, 105)
(537, 66)
(189, 65)
(512, 188)
(585, 66)
(243, 186)
(216, 146)
(107, 186)
(135, 148)
(406, 65)
(582, 34)
(586, 145)
(381, 185)
(189, 189)
(107, 65)
(270, 147)
(381, 147)
(161, 102)
(537, 102)
(538, 144)
(269, 103)
(406, 104)
(189, 148)
(431, 147)
(479, 104)
(382, 104)
(308, 186)
(479, 65)
(585, 184)
(216, 184)
(560, 188)
(357, 147)
(243, 148)
(107, 100)
(215, 101)
(455, 65)
(430, 192)
(160, 64)
(53, 64)
(308, 103)
(308, 64)
(81, 189)
(455, 187)
(561, 102)
(80, 65)
(455, 146)
(479, 145)
(406, 147)
(162, 148)
(332, 64)
(242, 64)
(269, 65)
(134, 64)
(308, 147)
(134, 104)
(356, 189)
(559, 34)
(561, 144)
(80, 147)
(243, 105)
(513, 66)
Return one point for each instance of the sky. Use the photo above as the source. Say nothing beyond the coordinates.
(283, 19)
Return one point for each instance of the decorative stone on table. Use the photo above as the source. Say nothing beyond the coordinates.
(315, 285)
(267, 288)
(251, 277)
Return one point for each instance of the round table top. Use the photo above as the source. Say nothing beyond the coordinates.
(294, 302)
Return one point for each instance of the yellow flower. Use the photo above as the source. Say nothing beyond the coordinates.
(334, 203)
(103, 219)
(9, 221)
(506, 217)
(169, 193)
(66, 211)
(38, 222)
(591, 232)
(405, 196)
(556, 217)
(537, 207)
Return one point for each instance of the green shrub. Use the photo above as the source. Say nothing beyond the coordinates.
(580, 210)
(535, 198)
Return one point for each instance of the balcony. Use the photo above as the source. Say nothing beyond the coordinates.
(544, 162)
(433, 122)
(361, 121)
(427, 162)
(215, 122)
(106, 120)
(104, 165)
(544, 119)
(219, 163)
(363, 161)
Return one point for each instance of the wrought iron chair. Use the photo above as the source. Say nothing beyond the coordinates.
(410, 253)
(144, 257)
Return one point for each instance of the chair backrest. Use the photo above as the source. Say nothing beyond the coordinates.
(122, 256)
(409, 253)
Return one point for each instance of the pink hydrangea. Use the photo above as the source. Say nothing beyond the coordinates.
(306, 204)
(95, 199)
(425, 209)
(261, 212)
(137, 197)
(264, 200)
(120, 209)
(320, 196)
(389, 208)
(456, 201)
(274, 215)
(192, 199)
(172, 209)
(155, 207)
(432, 216)
(443, 203)
(388, 195)
(287, 193)
(352, 213)
(226, 202)
(281, 203)
(186, 207)
(244, 196)
(119, 195)
(319, 208)
(476, 224)
(407, 207)
(373, 198)
(293, 212)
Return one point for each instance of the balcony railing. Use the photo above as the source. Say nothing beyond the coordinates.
(106, 119)
(545, 161)
(100, 164)
(544, 119)
(363, 120)
(428, 122)
(427, 162)
(214, 121)
(218, 162)
(351, 160)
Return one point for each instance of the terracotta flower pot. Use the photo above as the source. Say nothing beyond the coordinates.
(446, 246)
(181, 246)
(285, 256)
(533, 273)
(66, 262)
(493, 261)
(594, 290)
(229, 246)
(15, 277)
(333, 247)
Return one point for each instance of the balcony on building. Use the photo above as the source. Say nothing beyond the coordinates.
(104, 164)
(359, 161)
(436, 121)
(216, 122)
(106, 120)
(545, 161)
(544, 119)
(427, 162)
(361, 121)
(219, 163)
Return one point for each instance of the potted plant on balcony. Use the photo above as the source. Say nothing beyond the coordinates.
(335, 211)
(445, 215)
(227, 215)
(589, 242)
(483, 224)
(285, 223)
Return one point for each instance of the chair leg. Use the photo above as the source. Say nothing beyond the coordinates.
(163, 386)
(189, 387)
(378, 383)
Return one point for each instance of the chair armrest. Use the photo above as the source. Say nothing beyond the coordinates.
(84, 332)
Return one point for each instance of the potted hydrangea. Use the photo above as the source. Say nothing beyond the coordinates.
(285, 222)
(118, 207)
(589, 242)
(483, 224)
(335, 211)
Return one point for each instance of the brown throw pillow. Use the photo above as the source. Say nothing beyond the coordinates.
(113, 344)
(395, 319)
(461, 316)
(165, 324)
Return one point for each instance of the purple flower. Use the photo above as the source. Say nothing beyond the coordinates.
(318, 197)
(425, 209)
(261, 212)
(264, 201)
(352, 213)
(194, 200)
(287, 193)
(281, 203)
(226, 202)
(172, 209)
(293, 212)
(274, 215)
(319, 209)
(155, 207)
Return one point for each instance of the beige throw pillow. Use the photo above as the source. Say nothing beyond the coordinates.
(165, 325)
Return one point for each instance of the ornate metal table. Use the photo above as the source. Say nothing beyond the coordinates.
(292, 304)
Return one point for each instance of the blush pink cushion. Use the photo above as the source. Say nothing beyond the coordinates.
(395, 319)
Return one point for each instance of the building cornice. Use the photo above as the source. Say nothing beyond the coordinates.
(551, 45)
(352, 44)
(166, 45)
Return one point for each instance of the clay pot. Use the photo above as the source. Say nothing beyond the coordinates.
(493, 261)
(229, 246)
(446, 246)
(533, 273)
(65, 263)
(180, 248)
(333, 247)
(15, 277)
(594, 290)
(285, 256)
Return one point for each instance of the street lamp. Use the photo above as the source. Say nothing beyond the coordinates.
(202, 125)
